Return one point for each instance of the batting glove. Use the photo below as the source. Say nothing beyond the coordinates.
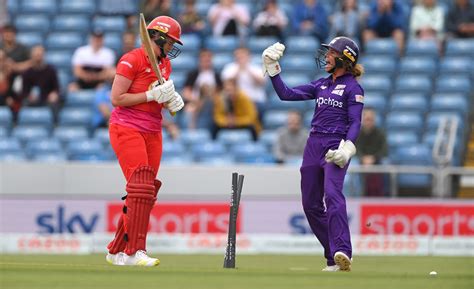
(270, 57)
(160, 93)
(342, 155)
(176, 103)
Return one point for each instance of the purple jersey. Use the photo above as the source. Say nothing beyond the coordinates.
(338, 107)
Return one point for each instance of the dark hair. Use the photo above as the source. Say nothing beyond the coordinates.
(10, 28)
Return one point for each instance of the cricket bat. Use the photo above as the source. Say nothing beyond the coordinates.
(146, 41)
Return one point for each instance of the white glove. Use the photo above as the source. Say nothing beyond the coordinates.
(342, 155)
(160, 92)
(270, 57)
(176, 103)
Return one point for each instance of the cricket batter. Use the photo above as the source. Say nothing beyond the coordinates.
(334, 130)
(135, 135)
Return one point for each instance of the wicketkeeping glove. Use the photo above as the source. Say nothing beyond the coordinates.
(342, 155)
(161, 93)
(270, 57)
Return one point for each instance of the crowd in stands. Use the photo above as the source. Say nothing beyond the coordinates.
(61, 54)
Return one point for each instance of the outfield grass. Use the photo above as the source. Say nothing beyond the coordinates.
(255, 271)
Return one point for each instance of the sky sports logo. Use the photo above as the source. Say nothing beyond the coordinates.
(329, 101)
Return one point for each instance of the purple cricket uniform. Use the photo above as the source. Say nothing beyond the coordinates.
(337, 116)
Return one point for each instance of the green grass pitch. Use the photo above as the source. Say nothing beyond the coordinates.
(253, 271)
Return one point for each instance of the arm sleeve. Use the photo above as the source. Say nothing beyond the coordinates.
(354, 112)
(302, 92)
(128, 66)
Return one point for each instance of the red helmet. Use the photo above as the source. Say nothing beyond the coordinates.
(168, 26)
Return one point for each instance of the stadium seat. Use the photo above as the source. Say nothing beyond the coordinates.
(173, 148)
(409, 103)
(298, 64)
(80, 98)
(43, 146)
(453, 84)
(121, 7)
(376, 101)
(418, 65)
(425, 48)
(68, 22)
(182, 159)
(377, 84)
(73, 116)
(64, 40)
(294, 79)
(3, 132)
(408, 121)
(264, 158)
(257, 44)
(49, 157)
(219, 60)
(413, 83)
(13, 157)
(231, 137)
(383, 46)
(195, 136)
(273, 119)
(297, 45)
(30, 38)
(433, 119)
(460, 47)
(208, 149)
(66, 134)
(397, 138)
(113, 41)
(109, 23)
(26, 133)
(86, 149)
(61, 59)
(32, 23)
(275, 103)
(10, 145)
(222, 44)
(184, 63)
(455, 65)
(6, 117)
(78, 6)
(39, 7)
(191, 44)
(417, 154)
(40, 116)
(245, 152)
(220, 160)
(451, 103)
(102, 135)
(379, 65)
(268, 138)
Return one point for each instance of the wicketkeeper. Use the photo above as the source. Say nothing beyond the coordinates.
(135, 135)
(330, 146)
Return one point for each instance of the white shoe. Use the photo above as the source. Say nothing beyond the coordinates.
(115, 259)
(140, 258)
(332, 268)
(343, 261)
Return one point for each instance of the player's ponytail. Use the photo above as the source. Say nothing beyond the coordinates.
(357, 70)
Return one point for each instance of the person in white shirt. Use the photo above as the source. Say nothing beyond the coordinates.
(228, 18)
(249, 78)
(271, 21)
(92, 64)
(427, 21)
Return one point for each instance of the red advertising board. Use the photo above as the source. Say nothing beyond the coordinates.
(417, 219)
(181, 217)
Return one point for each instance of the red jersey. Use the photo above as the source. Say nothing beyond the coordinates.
(135, 66)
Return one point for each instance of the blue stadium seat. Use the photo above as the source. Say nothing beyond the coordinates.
(257, 44)
(185, 62)
(268, 138)
(4, 132)
(460, 47)
(13, 157)
(195, 136)
(26, 133)
(66, 134)
(43, 146)
(275, 103)
(377, 84)
(109, 23)
(298, 64)
(12, 7)
(61, 59)
(86, 149)
(245, 152)
(264, 158)
(30, 38)
(220, 160)
(298, 45)
(71, 22)
(382, 46)
(32, 22)
(191, 44)
(121, 7)
(102, 135)
(417, 154)
(49, 157)
(73, 116)
(453, 84)
(222, 43)
(173, 148)
(6, 117)
(433, 119)
(231, 137)
(418, 65)
(409, 103)
(450, 103)
(64, 40)
(413, 83)
(208, 149)
(179, 78)
(273, 119)
(39, 7)
(294, 79)
(182, 159)
(455, 65)
(78, 6)
(376, 101)
(398, 138)
(219, 60)
(80, 98)
(40, 116)
(113, 41)
(10, 145)
(379, 65)
(425, 48)
(408, 121)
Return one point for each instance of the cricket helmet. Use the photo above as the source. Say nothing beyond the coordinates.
(346, 47)
(167, 26)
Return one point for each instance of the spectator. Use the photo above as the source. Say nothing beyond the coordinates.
(310, 18)
(129, 41)
(346, 21)
(427, 21)
(40, 82)
(200, 86)
(272, 21)
(102, 107)
(228, 18)
(385, 20)
(153, 8)
(460, 20)
(233, 109)
(249, 78)
(291, 139)
(371, 149)
(5, 80)
(191, 21)
(93, 64)
(17, 52)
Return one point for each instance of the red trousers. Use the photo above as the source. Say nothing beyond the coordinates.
(135, 149)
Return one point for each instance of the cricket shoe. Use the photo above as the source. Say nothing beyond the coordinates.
(343, 261)
(116, 259)
(140, 258)
(333, 268)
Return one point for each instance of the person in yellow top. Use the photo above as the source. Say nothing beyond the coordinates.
(233, 109)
